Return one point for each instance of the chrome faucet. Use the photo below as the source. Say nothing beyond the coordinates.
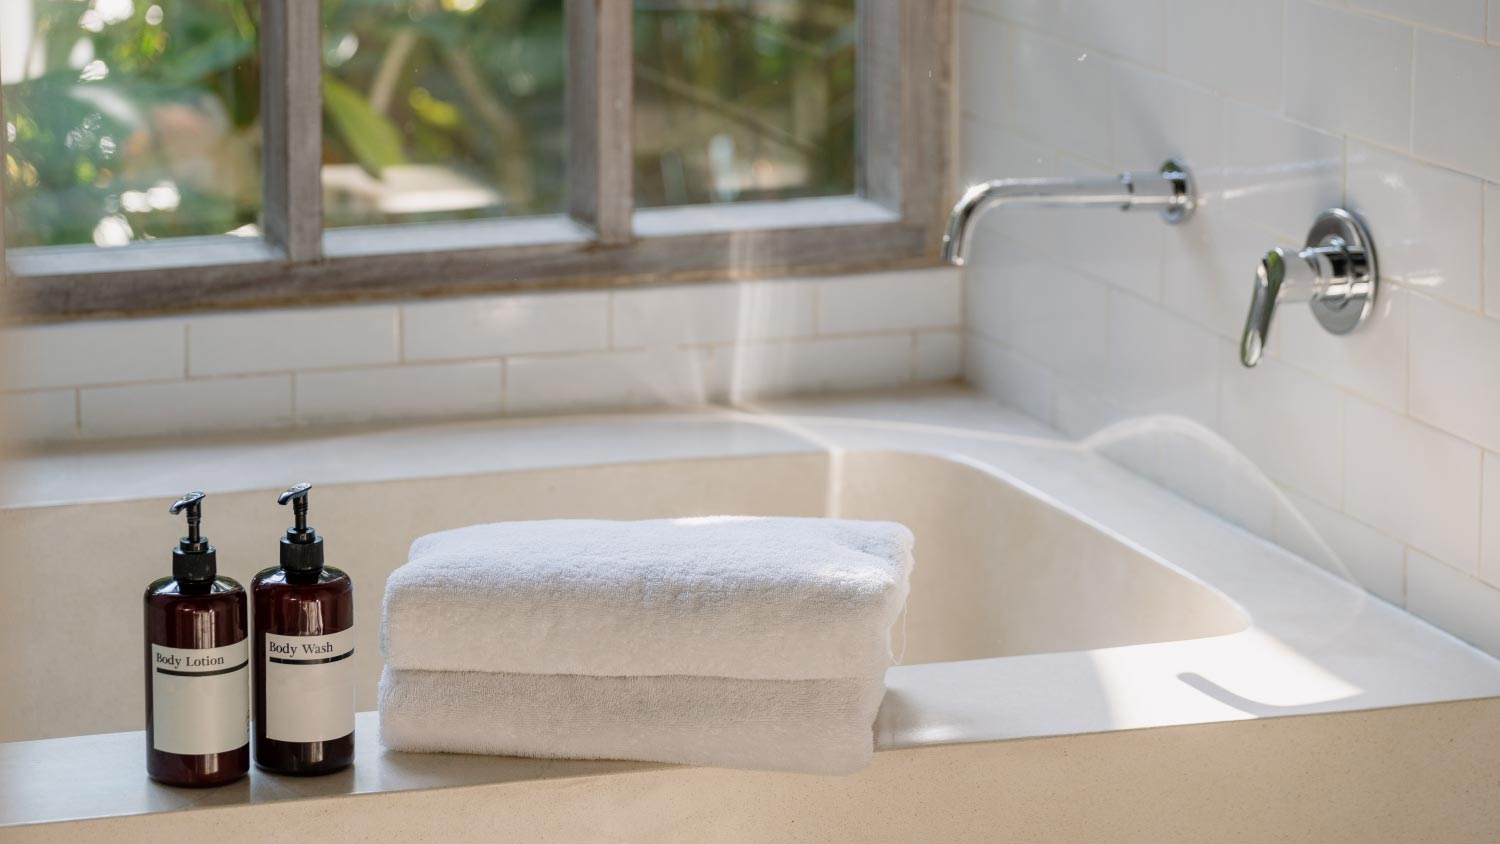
(1169, 189)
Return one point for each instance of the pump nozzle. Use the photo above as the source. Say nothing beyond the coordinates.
(298, 496)
(301, 548)
(193, 560)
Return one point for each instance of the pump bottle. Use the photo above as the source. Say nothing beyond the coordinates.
(304, 649)
(197, 666)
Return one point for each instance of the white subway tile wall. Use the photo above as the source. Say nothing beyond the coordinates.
(1232, 46)
(1073, 106)
(1382, 448)
(479, 356)
(602, 380)
(1415, 481)
(1461, 17)
(286, 341)
(1366, 59)
(1455, 80)
(716, 313)
(1344, 545)
(1262, 412)
(1432, 216)
(414, 391)
(1437, 591)
(239, 403)
(866, 362)
(101, 353)
(1370, 363)
(1492, 240)
(888, 303)
(1159, 363)
(1021, 382)
(496, 326)
(40, 415)
(939, 354)
(1455, 371)
(1274, 169)
(1489, 530)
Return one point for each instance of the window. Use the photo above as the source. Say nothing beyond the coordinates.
(130, 122)
(448, 111)
(185, 154)
(744, 101)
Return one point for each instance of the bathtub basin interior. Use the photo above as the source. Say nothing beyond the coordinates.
(1000, 571)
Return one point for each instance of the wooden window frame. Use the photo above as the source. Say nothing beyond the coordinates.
(894, 220)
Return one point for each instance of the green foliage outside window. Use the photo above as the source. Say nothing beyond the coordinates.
(136, 121)
(128, 120)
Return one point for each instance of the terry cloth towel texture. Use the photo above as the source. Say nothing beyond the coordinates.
(811, 726)
(725, 596)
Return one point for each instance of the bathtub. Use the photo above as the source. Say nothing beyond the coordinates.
(1084, 656)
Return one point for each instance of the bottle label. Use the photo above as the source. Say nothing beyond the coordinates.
(200, 698)
(309, 686)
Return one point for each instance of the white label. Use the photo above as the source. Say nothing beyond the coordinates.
(200, 698)
(309, 686)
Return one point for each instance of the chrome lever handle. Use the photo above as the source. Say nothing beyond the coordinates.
(1336, 274)
(1268, 278)
(1306, 276)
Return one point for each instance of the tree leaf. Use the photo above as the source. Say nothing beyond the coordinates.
(218, 53)
(370, 136)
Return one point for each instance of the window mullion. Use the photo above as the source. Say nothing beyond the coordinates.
(5, 266)
(926, 92)
(878, 141)
(601, 192)
(4, 271)
(291, 119)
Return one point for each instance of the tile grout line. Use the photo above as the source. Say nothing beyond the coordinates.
(504, 386)
(401, 335)
(1411, 91)
(1479, 540)
(1405, 575)
(1484, 246)
(611, 303)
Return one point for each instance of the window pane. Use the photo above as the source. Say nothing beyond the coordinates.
(127, 120)
(442, 110)
(743, 100)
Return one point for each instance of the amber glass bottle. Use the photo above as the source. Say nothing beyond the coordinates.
(197, 666)
(304, 649)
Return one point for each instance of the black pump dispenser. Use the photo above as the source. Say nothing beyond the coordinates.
(193, 560)
(197, 660)
(301, 548)
(304, 640)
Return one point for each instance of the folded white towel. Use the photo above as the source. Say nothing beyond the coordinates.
(812, 726)
(755, 598)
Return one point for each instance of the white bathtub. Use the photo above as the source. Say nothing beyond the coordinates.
(1056, 598)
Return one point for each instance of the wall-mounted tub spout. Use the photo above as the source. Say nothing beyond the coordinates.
(1169, 190)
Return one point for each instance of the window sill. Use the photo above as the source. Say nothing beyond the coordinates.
(43, 262)
(700, 243)
(359, 241)
(761, 216)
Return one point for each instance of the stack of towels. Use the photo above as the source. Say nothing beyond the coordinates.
(730, 641)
